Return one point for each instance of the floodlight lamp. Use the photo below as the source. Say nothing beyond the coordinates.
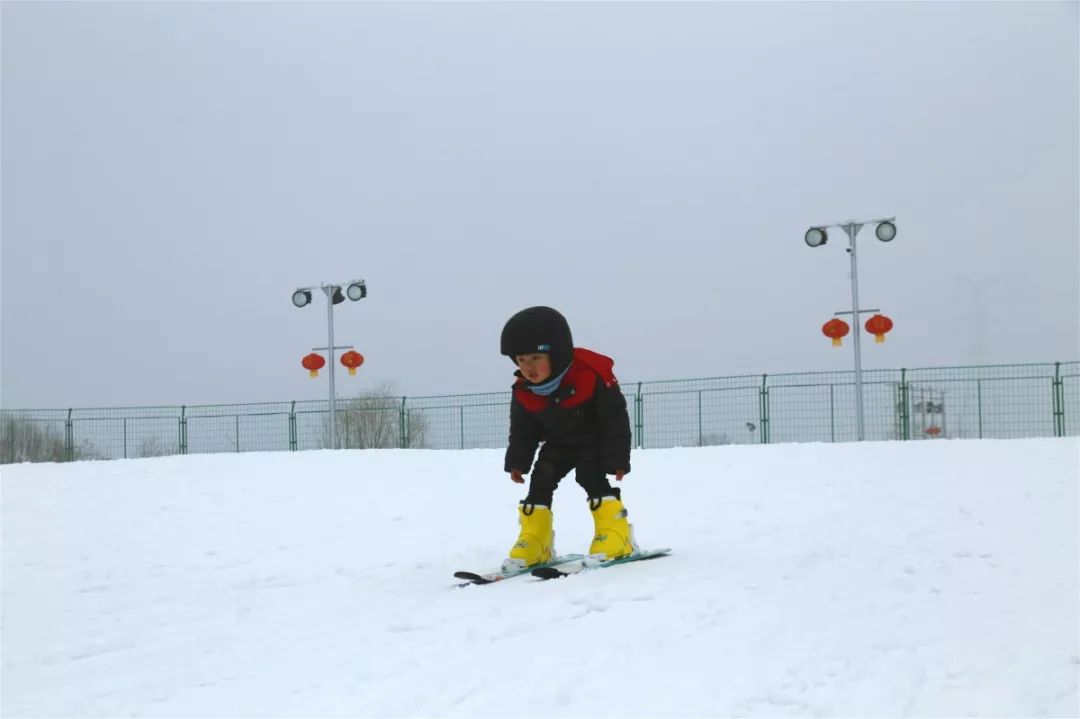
(301, 298)
(816, 237)
(357, 290)
(885, 231)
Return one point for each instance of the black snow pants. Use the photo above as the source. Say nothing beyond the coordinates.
(555, 462)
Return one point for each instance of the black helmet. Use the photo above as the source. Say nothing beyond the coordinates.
(539, 329)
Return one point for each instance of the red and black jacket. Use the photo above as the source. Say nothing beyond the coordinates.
(587, 413)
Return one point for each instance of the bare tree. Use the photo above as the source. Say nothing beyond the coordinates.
(23, 440)
(378, 419)
(152, 447)
(27, 440)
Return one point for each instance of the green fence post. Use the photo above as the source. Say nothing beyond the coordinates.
(69, 438)
(978, 391)
(461, 424)
(183, 429)
(639, 417)
(700, 431)
(10, 455)
(832, 412)
(237, 417)
(905, 406)
(125, 437)
(1058, 394)
(292, 426)
(764, 409)
(401, 432)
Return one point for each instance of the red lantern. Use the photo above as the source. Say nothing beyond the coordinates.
(313, 363)
(933, 431)
(836, 329)
(352, 359)
(878, 325)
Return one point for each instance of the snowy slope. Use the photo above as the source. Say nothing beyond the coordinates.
(882, 579)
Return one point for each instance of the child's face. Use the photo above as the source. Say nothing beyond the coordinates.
(534, 367)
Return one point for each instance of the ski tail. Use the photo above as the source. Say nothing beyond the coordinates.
(590, 563)
(509, 571)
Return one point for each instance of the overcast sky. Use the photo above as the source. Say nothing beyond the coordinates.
(173, 171)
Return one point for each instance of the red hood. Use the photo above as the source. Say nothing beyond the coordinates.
(598, 363)
(587, 365)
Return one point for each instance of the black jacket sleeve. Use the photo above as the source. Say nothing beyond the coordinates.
(525, 434)
(614, 428)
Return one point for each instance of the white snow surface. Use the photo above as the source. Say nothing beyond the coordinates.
(934, 578)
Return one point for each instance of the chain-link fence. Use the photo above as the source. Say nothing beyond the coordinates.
(1005, 401)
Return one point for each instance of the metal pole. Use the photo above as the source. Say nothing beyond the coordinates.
(329, 291)
(700, 431)
(639, 417)
(852, 229)
(978, 387)
(832, 413)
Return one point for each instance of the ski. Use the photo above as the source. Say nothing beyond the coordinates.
(587, 564)
(492, 577)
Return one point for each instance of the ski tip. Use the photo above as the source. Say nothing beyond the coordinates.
(473, 578)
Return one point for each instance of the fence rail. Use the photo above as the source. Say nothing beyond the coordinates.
(1000, 401)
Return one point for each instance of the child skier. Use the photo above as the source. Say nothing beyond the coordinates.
(568, 399)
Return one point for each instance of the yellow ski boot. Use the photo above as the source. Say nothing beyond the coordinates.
(535, 544)
(614, 536)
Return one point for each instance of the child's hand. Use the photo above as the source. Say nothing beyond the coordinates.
(515, 476)
(619, 474)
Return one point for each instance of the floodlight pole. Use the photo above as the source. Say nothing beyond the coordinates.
(852, 229)
(357, 290)
(329, 291)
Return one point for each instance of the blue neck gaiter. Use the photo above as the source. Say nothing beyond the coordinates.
(547, 388)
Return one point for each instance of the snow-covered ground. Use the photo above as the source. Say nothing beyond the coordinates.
(882, 579)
